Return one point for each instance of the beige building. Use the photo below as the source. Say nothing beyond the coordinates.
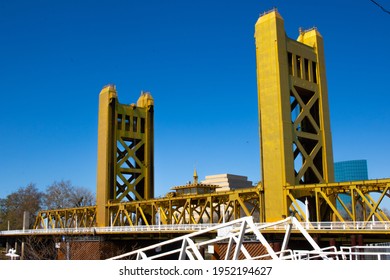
(228, 182)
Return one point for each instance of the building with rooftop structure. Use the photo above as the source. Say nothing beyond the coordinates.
(194, 188)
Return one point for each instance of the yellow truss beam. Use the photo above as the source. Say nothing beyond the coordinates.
(215, 207)
(327, 193)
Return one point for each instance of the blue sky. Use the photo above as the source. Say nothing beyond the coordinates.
(197, 58)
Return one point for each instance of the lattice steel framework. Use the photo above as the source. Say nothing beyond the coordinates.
(296, 144)
(125, 151)
(81, 217)
(227, 206)
(367, 197)
(193, 209)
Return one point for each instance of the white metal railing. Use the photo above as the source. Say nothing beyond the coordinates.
(371, 252)
(47, 231)
(154, 228)
(344, 226)
(310, 226)
(233, 234)
(344, 253)
(112, 229)
(187, 246)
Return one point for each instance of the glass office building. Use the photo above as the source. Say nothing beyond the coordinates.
(350, 170)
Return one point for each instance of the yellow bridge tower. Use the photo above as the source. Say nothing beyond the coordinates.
(296, 145)
(125, 152)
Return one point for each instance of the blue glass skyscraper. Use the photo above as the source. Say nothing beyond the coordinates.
(350, 170)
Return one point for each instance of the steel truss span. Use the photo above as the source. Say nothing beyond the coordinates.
(232, 205)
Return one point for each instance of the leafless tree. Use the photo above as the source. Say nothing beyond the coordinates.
(39, 248)
(63, 194)
(82, 197)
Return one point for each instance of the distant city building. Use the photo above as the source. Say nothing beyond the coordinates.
(212, 184)
(347, 171)
(193, 188)
(350, 170)
(228, 182)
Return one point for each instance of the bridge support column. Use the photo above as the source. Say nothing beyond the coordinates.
(296, 145)
(125, 166)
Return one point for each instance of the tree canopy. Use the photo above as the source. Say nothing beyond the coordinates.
(15, 204)
(29, 199)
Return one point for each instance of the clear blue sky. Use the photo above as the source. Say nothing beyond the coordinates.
(197, 58)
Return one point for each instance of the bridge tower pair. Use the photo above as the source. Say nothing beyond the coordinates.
(295, 137)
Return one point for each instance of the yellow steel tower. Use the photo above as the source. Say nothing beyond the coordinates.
(125, 152)
(296, 145)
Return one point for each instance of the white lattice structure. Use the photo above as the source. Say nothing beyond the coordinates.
(232, 232)
(193, 245)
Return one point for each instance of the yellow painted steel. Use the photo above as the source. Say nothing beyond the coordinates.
(189, 209)
(294, 120)
(213, 207)
(363, 207)
(125, 151)
(80, 217)
(296, 153)
(217, 207)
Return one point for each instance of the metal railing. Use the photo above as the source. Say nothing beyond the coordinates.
(344, 226)
(189, 245)
(367, 252)
(233, 232)
(185, 228)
